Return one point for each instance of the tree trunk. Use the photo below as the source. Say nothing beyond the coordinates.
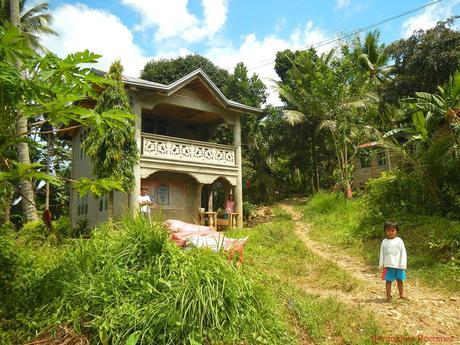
(315, 180)
(7, 207)
(315, 163)
(27, 192)
(48, 164)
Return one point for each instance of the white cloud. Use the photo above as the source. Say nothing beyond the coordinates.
(339, 4)
(81, 27)
(280, 24)
(172, 18)
(259, 55)
(429, 17)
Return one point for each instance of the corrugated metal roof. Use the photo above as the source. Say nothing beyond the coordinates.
(178, 84)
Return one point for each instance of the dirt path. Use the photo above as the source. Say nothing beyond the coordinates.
(427, 313)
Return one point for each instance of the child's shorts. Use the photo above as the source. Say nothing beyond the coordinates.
(390, 274)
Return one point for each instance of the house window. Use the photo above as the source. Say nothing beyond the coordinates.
(83, 135)
(381, 158)
(163, 194)
(365, 161)
(82, 205)
(103, 203)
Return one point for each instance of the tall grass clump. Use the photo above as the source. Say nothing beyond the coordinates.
(131, 281)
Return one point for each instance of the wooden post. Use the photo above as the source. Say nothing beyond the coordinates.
(239, 183)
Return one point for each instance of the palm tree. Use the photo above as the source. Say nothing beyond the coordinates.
(34, 22)
(27, 191)
(373, 56)
(304, 108)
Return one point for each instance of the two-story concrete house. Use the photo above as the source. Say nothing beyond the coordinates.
(180, 166)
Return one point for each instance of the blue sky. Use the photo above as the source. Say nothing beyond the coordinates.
(225, 31)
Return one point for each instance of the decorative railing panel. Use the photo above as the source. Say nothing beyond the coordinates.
(163, 147)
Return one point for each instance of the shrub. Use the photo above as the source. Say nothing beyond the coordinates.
(248, 209)
(9, 260)
(62, 227)
(133, 280)
(33, 232)
(396, 192)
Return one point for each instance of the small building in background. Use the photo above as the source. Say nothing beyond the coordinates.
(373, 159)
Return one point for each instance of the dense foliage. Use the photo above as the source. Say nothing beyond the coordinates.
(166, 71)
(423, 61)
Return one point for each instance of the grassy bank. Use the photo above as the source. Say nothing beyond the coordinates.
(431, 242)
(284, 265)
(132, 282)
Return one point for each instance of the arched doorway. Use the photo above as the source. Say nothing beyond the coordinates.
(174, 194)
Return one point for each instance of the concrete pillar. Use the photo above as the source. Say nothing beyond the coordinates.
(198, 202)
(210, 195)
(239, 183)
(134, 194)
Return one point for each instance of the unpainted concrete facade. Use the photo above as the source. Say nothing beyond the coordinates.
(178, 163)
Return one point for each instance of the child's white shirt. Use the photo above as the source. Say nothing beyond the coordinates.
(393, 253)
(144, 208)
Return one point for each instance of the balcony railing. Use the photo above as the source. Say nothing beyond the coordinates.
(178, 149)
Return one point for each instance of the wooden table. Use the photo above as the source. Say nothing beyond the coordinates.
(212, 216)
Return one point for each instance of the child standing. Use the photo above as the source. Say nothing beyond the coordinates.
(393, 259)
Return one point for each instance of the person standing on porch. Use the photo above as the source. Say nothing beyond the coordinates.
(229, 206)
(145, 203)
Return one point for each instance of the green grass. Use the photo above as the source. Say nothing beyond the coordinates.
(132, 280)
(428, 240)
(274, 248)
(284, 265)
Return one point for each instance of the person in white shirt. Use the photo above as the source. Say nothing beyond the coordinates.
(145, 202)
(393, 259)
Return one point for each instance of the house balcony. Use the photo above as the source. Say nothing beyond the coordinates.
(203, 160)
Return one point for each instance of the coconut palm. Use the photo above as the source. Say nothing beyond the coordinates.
(373, 56)
(27, 191)
(306, 108)
(34, 22)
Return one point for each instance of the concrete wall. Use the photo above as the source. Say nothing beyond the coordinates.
(362, 174)
(182, 196)
(81, 167)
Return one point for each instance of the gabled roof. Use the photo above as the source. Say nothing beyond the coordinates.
(185, 80)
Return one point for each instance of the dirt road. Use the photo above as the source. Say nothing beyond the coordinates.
(427, 313)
